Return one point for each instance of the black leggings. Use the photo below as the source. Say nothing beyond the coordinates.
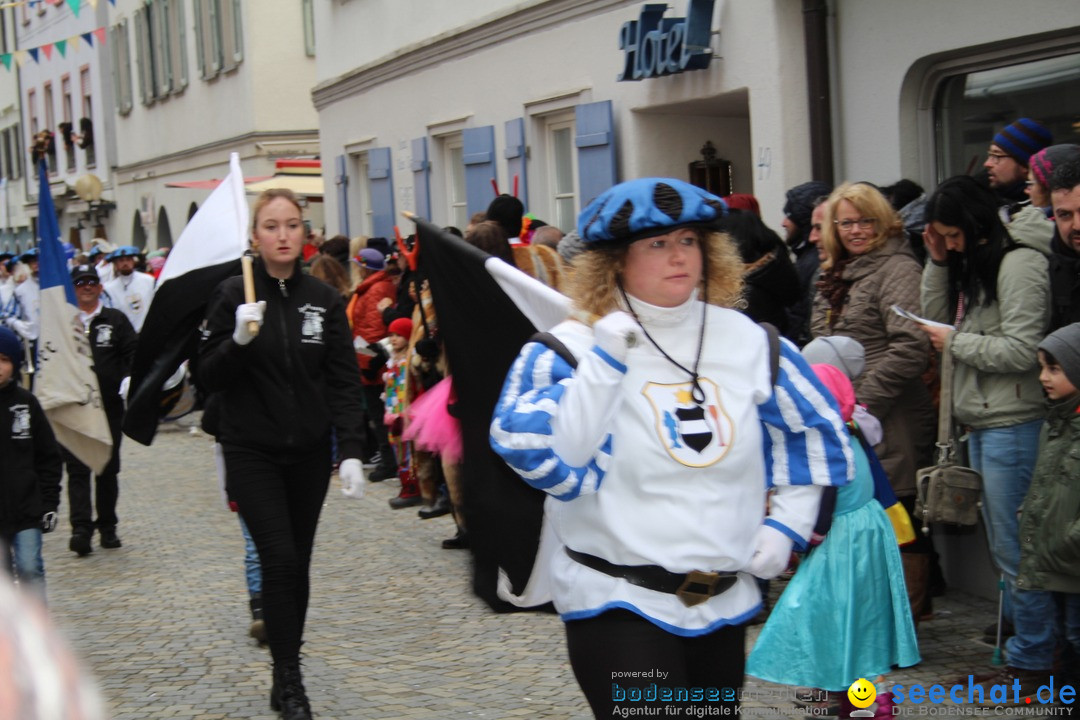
(607, 650)
(280, 499)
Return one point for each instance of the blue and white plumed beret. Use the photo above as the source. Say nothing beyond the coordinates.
(644, 208)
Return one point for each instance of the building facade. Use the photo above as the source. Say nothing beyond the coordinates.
(433, 101)
(193, 81)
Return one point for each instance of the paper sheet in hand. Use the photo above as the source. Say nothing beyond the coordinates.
(921, 320)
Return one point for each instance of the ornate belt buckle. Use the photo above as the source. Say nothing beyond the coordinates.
(697, 587)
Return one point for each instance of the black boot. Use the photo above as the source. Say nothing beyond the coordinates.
(287, 696)
(258, 626)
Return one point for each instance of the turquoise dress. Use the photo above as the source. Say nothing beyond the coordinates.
(845, 613)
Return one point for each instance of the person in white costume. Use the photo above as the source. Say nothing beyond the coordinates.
(131, 291)
(653, 420)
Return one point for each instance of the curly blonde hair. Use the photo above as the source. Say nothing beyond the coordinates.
(871, 204)
(594, 285)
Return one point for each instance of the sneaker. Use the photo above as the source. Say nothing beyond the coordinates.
(383, 472)
(1001, 688)
(109, 540)
(440, 508)
(80, 544)
(400, 502)
(458, 542)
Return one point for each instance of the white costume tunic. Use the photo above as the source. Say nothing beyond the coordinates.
(640, 474)
(131, 295)
(26, 320)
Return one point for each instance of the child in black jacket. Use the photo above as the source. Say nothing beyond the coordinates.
(30, 466)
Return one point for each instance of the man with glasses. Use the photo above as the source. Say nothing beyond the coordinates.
(112, 346)
(1006, 165)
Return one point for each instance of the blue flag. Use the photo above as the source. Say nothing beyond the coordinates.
(66, 385)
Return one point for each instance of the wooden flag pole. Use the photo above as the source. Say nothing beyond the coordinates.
(249, 290)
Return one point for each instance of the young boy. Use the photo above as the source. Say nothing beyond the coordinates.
(1050, 515)
(30, 466)
(396, 398)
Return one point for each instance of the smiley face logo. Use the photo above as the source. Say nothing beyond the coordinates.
(862, 693)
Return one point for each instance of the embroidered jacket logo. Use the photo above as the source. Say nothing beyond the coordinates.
(20, 422)
(311, 327)
(694, 435)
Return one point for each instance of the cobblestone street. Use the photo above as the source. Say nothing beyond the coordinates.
(393, 630)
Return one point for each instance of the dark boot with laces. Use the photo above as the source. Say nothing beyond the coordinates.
(287, 696)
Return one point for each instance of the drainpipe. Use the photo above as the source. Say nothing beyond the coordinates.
(816, 36)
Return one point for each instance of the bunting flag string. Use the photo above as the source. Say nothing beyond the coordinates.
(61, 46)
(75, 5)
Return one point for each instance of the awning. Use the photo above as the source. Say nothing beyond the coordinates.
(309, 186)
(303, 177)
(210, 184)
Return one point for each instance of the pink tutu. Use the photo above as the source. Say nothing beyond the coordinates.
(431, 427)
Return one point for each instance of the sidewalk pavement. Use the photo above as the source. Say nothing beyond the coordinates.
(393, 630)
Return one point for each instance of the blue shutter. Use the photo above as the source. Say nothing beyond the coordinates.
(421, 177)
(381, 185)
(515, 158)
(341, 180)
(479, 157)
(595, 142)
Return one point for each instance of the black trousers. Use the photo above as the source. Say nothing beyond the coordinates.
(106, 489)
(376, 411)
(607, 650)
(280, 498)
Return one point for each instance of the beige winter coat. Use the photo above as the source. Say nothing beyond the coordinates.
(897, 354)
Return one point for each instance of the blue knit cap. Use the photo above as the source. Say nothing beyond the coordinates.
(1022, 139)
(11, 346)
(644, 208)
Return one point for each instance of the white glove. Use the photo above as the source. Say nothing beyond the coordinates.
(352, 478)
(48, 522)
(616, 333)
(125, 384)
(246, 313)
(772, 552)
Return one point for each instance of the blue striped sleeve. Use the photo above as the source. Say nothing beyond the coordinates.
(804, 436)
(521, 429)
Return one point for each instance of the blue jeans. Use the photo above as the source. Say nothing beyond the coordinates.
(252, 567)
(27, 562)
(1006, 458)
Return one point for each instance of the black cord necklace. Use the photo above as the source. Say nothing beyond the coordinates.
(696, 391)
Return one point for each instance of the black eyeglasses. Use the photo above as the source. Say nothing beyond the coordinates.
(84, 282)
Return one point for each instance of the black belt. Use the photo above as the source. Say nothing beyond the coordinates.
(692, 588)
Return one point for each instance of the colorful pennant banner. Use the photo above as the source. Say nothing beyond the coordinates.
(61, 46)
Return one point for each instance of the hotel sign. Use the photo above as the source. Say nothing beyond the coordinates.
(654, 45)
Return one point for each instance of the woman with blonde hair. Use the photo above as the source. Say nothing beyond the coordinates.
(285, 371)
(868, 268)
(650, 418)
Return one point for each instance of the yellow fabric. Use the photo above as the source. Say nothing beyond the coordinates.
(901, 523)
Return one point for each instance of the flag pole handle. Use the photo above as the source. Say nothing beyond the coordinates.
(249, 291)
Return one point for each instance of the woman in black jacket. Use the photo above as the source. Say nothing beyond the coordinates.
(282, 391)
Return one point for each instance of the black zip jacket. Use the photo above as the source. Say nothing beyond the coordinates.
(30, 462)
(282, 392)
(112, 346)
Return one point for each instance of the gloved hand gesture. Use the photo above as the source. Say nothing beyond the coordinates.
(352, 478)
(245, 313)
(616, 333)
(772, 553)
(48, 522)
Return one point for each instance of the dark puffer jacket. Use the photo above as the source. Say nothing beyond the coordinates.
(1050, 515)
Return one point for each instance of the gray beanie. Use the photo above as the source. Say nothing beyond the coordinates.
(843, 353)
(1064, 345)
